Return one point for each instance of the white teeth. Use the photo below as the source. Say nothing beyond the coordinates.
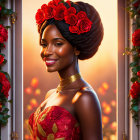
(50, 61)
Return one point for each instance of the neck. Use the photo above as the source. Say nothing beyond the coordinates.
(68, 71)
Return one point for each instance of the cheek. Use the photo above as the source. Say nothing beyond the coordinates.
(65, 51)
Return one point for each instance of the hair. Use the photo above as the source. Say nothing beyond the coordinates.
(87, 43)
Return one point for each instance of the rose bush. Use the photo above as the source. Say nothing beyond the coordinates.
(3, 34)
(135, 90)
(5, 84)
(1, 59)
(136, 37)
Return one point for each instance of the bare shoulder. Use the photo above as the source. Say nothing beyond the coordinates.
(88, 112)
(49, 93)
(87, 98)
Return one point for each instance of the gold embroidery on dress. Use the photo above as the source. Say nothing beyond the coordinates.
(30, 129)
(38, 138)
(60, 138)
(50, 137)
(54, 128)
(45, 114)
(40, 130)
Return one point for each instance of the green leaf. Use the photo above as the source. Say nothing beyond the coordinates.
(2, 22)
(136, 69)
(10, 11)
(6, 117)
(2, 1)
(7, 27)
(10, 101)
(134, 1)
(135, 108)
(5, 61)
(133, 64)
(2, 54)
(133, 79)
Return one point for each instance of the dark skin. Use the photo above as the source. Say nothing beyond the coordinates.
(81, 102)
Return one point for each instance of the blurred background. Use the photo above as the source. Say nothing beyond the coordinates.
(99, 71)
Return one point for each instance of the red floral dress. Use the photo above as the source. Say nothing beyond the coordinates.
(53, 123)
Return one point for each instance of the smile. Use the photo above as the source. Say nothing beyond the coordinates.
(50, 62)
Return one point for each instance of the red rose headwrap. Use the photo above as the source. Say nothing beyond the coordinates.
(79, 23)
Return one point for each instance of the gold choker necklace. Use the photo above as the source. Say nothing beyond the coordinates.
(67, 81)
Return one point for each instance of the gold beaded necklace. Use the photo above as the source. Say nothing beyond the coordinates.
(67, 81)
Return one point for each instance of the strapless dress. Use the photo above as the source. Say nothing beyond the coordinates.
(53, 123)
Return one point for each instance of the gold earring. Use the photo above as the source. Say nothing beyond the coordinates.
(77, 53)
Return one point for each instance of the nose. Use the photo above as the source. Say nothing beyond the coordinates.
(47, 51)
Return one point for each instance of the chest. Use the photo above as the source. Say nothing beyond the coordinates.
(62, 100)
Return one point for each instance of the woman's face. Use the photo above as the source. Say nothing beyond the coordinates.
(56, 51)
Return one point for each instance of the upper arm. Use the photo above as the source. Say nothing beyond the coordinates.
(88, 111)
(49, 93)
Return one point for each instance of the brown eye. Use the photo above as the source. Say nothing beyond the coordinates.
(59, 44)
(43, 45)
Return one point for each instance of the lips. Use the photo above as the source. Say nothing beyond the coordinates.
(49, 61)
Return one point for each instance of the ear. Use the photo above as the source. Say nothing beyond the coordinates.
(76, 52)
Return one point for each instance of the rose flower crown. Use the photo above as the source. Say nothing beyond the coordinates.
(79, 22)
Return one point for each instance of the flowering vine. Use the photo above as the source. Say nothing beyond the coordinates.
(5, 79)
(134, 10)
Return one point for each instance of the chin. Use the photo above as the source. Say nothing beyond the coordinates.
(51, 69)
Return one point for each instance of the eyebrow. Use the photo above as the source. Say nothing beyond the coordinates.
(53, 39)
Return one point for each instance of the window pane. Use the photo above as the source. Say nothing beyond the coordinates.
(99, 71)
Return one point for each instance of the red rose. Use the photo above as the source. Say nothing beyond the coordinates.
(71, 19)
(58, 12)
(50, 3)
(84, 25)
(0, 8)
(68, 2)
(49, 12)
(5, 84)
(81, 15)
(136, 4)
(135, 90)
(1, 59)
(69, 11)
(40, 16)
(138, 73)
(136, 37)
(43, 7)
(3, 33)
(74, 29)
(1, 39)
(54, 2)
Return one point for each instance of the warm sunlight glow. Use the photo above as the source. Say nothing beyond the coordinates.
(76, 97)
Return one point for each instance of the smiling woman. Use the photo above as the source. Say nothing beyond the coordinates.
(68, 31)
(56, 51)
(96, 70)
